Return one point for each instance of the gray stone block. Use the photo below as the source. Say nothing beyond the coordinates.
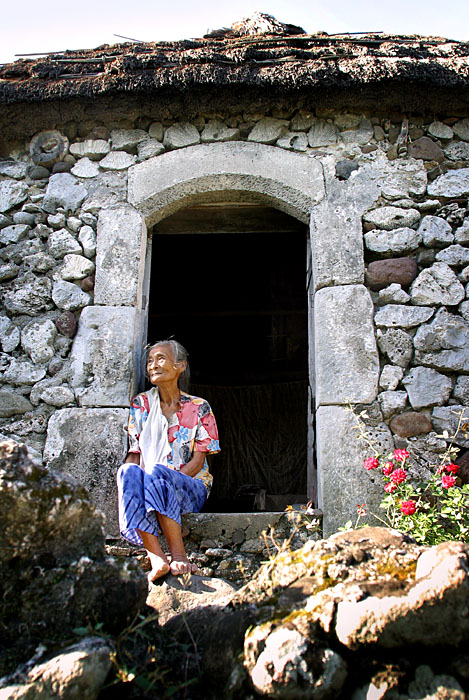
(454, 183)
(120, 256)
(437, 285)
(289, 181)
(63, 190)
(343, 481)
(90, 444)
(102, 356)
(427, 388)
(347, 364)
(399, 315)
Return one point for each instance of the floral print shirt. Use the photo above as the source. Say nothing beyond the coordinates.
(191, 429)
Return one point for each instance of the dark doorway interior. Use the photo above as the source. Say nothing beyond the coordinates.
(238, 302)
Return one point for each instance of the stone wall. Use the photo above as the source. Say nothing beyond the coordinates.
(392, 193)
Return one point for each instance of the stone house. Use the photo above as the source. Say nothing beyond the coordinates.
(292, 208)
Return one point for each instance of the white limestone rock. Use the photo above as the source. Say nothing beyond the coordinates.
(454, 183)
(447, 418)
(74, 223)
(400, 240)
(461, 129)
(461, 390)
(106, 190)
(389, 218)
(400, 316)
(15, 169)
(12, 193)
(56, 220)
(93, 149)
(394, 294)
(457, 150)
(461, 235)
(127, 139)
(87, 240)
(427, 388)
(322, 133)
(76, 267)
(58, 396)
(392, 402)
(63, 190)
(454, 255)
(69, 297)
(12, 403)
(464, 310)
(117, 160)
(215, 130)
(443, 344)
(435, 231)
(390, 377)
(37, 340)
(85, 168)
(149, 149)
(61, 243)
(293, 141)
(181, 135)
(8, 272)
(23, 371)
(407, 178)
(30, 297)
(268, 130)
(437, 285)
(9, 334)
(13, 234)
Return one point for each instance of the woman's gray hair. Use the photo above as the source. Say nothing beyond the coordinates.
(180, 354)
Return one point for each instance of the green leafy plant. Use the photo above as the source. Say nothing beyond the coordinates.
(431, 511)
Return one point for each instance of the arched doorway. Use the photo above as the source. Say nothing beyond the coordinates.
(230, 282)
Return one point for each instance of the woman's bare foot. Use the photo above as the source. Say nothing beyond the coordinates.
(181, 565)
(159, 567)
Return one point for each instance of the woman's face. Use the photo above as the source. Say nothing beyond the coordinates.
(161, 366)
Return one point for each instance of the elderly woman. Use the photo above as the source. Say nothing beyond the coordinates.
(165, 473)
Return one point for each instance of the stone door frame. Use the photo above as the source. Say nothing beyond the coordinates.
(346, 359)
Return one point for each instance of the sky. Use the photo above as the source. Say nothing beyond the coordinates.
(29, 26)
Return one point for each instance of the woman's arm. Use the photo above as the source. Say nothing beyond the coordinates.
(195, 464)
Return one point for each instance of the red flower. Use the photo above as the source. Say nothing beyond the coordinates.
(398, 476)
(390, 487)
(361, 510)
(447, 481)
(453, 468)
(371, 463)
(401, 455)
(388, 468)
(408, 507)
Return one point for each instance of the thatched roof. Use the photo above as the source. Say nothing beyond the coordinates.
(407, 72)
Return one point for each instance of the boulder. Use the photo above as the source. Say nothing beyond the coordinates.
(62, 243)
(55, 576)
(173, 596)
(454, 255)
(128, 139)
(454, 183)
(435, 231)
(437, 285)
(389, 218)
(444, 343)
(63, 190)
(399, 315)
(29, 297)
(400, 240)
(37, 340)
(461, 129)
(78, 671)
(68, 297)
(149, 149)
(390, 377)
(322, 133)
(268, 130)
(11, 194)
(426, 387)
(426, 149)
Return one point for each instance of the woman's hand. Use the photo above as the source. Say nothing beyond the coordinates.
(194, 466)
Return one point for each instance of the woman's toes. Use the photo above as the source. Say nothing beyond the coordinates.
(179, 567)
